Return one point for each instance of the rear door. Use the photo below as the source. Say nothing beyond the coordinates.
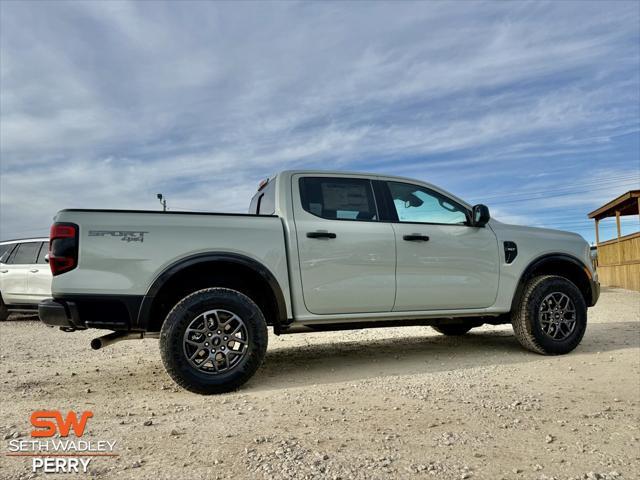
(443, 263)
(347, 257)
(39, 277)
(14, 273)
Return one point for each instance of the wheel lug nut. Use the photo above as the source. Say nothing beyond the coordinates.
(206, 344)
(219, 332)
(226, 338)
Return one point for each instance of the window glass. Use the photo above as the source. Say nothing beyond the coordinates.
(267, 205)
(5, 251)
(255, 203)
(418, 204)
(25, 253)
(338, 198)
(44, 249)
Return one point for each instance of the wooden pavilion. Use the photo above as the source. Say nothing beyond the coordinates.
(618, 262)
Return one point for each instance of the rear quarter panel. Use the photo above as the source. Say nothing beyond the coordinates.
(109, 264)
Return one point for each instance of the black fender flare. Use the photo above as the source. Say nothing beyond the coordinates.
(541, 261)
(186, 262)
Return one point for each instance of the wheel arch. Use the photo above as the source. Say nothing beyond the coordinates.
(560, 264)
(214, 269)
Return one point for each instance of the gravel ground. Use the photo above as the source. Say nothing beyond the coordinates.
(386, 403)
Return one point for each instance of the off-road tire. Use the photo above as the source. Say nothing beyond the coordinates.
(526, 322)
(453, 330)
(4, 311)
(180, 317)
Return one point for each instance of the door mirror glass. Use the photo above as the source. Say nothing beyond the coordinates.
(480, 215)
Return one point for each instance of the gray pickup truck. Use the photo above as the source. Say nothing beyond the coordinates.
(318, 251)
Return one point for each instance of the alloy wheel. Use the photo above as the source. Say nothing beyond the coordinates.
(215, 341)
(557, 316)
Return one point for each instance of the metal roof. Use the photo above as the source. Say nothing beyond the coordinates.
(627, 204)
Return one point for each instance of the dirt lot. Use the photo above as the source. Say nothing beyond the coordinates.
(386, 403)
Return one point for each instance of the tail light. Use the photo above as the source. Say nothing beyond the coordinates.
(63, 247)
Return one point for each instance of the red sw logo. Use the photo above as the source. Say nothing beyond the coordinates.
(48, 422)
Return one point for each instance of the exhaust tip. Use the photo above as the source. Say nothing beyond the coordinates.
(117, 336)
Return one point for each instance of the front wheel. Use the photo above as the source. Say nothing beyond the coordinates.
(551, 316)
(213, 341)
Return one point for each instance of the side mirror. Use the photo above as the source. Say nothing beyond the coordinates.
(46, 258)
(480, 215)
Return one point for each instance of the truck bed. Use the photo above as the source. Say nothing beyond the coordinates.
(122, 252)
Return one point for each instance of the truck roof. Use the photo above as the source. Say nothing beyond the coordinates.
(342, 172)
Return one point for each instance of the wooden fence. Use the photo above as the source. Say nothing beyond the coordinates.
(619, 262)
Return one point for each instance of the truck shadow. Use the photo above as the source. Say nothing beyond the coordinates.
(320, 362)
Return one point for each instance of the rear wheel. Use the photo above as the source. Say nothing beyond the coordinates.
(551, 316)
(213, 340)
(454, 330)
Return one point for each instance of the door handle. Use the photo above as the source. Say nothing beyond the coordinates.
(4, 271)
(34, 270)
(416, 237)
(321, 235)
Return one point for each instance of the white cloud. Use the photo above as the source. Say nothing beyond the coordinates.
(105, 103)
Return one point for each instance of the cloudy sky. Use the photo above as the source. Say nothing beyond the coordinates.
(530, 107)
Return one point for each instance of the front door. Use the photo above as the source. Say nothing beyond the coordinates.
(443, 263)
(347, 257)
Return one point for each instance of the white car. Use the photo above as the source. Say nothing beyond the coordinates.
(318, 251)
(25, 276)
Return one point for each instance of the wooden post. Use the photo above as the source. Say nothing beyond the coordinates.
(619, 247)
(597, 259)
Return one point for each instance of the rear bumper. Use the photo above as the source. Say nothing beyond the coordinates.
(58, 313)
(111, 312)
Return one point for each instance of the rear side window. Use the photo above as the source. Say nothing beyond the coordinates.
(25, 253)
(5, 251)
(44, 249)
(338, 198)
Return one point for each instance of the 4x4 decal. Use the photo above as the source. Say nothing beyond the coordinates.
(124, 235)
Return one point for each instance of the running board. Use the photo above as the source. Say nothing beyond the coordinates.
(428, 322)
